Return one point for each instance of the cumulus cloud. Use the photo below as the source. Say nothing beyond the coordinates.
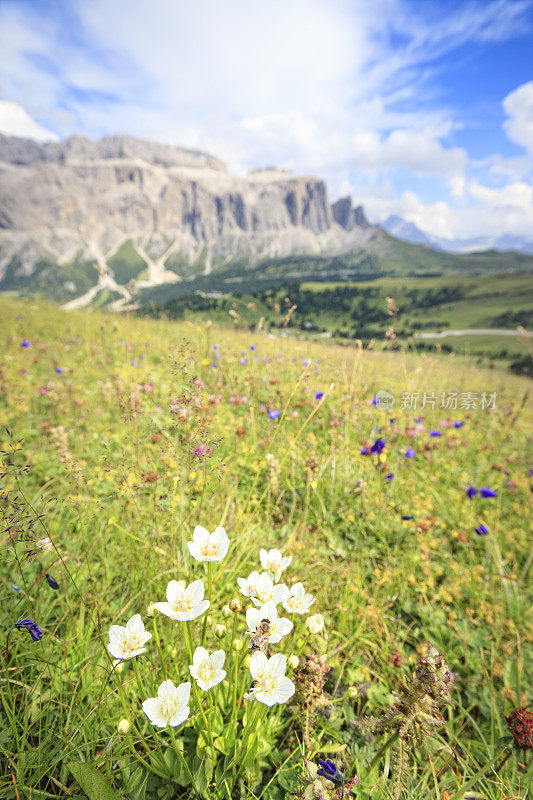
(15, 121)
(518, 106)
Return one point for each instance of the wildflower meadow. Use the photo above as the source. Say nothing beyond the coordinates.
(239, 564)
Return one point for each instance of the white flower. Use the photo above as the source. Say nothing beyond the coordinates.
(279, 627)
(207, 669)
(271, 684)
(248, 586)
(207, 546)
(274, 562)
(184, 602)
(170, 707)
(297, 600)
(315, 624)
(129, 641)
(266, 591)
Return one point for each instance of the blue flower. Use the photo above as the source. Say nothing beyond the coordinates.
(242, 362)
(418, 419)
(410, 453)
(364, 451)
(134, 363)
(390, 476)
(435, 433)
(218, 356)
(59, 370)
(252, 347)
(471, 492)
(215, 347)
(319, 395)
(51, 581)
(378, 446)
(30, 626)
(329, 770)
(407, 516)
(458, 424)
(305, 362)
(273, 413)
(488, 492)
(481, 530)
(25, 343)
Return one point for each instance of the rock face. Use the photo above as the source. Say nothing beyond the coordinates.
(180, 212)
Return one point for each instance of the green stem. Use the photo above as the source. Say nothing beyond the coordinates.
(159, 648)
(209, 593)
(183, 760)
(138, 678)
(240, 756)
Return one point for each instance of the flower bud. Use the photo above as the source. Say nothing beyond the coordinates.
(124, 725)
(220, 631)
(235, 605)
(150, 610)
(226, 611)
(237, 644)
(247, 661)
(353, 692)
(293, 661)
(315, 623)
(118, 665)
(209, 619)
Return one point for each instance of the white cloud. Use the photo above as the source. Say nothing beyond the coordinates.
(15, 121)
(316, 86)
(518, 105)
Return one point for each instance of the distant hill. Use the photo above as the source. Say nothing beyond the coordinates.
(397, 226)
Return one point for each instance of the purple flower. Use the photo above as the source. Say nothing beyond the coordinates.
(215, 347)
(365, 452)
(418, 419)
(242, 362)
(305, 362)
(25, 343)
(407, 516)
(134, 363)
(252, 347)
(410, 453)
(319, 395)
(378, 446)
(458, 424)
(59, 370)
(218, 356)
(435, 433)
(30, 626)
(471, 492)
(328, 770)
(481, 530)
(273, 413)
(51, 581)
(389, 477)
(488, 492)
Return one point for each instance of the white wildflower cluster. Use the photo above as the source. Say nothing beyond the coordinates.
(266, 626)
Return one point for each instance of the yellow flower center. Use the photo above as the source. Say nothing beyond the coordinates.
(209, 550)
(206, 672)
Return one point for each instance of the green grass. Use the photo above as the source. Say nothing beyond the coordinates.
(94, 459)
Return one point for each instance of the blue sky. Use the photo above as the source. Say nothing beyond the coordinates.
(421, 108)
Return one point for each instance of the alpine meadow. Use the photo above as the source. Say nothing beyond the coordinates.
(232, 568)
(266, 364)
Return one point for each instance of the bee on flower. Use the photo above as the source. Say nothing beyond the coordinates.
(170, 707)
(184, 602)
(207, 669)
(207, 546)
(128, 641)
(274, 562)
(297, 600)
(270, 684)
(277, 628)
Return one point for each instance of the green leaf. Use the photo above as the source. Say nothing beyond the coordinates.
(93, 783)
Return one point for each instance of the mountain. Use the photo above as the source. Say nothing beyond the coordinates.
(409, 232)
(121, 219)
(153, 214)
(405, 230)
